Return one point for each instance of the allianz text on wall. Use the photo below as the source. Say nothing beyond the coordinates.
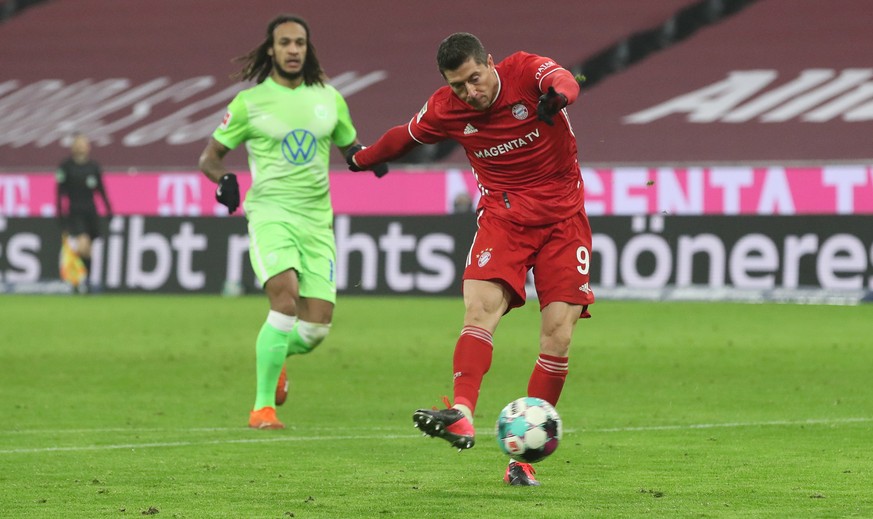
(426, 254)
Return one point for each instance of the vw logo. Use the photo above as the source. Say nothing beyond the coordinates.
(299, 147)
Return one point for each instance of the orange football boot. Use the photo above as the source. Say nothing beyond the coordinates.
(265, 418)
(282, 387)
(449, 424)
(520, 475)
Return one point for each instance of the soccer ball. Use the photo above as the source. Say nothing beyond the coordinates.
(528, 429)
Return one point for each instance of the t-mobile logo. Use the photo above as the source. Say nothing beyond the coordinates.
(14, 195)
(179, 195)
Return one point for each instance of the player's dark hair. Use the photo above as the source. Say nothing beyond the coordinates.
(458, 48)
(259, 64)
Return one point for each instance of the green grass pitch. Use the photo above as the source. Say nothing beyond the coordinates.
(125, 406)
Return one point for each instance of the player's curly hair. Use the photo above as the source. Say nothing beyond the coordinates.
(259, 64)
(458, 48)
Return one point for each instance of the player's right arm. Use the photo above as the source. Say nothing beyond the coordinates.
(212, 160)
(392, 145)
(232, 131)
(400, 140)
(212, 165)
(61, 180)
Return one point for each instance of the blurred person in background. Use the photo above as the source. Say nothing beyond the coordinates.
(79, 179)
(287, 122)
(510, 118)
(462, 203)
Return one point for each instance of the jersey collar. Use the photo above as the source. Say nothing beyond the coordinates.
(499, 88)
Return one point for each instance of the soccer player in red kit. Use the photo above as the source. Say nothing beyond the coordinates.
(511, 120)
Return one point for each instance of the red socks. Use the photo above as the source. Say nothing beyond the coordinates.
(471, 361)
(547, 379)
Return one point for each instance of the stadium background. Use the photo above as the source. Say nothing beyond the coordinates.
(750, 119)
(726, 145)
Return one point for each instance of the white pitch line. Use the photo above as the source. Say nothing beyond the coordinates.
(96, 430)
(204, 442)
(812, 421)
(727, 425)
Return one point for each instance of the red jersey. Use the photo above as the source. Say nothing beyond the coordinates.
(527, 171)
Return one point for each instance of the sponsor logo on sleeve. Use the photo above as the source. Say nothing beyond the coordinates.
(421, 113)
(544, 67)
(226, 120)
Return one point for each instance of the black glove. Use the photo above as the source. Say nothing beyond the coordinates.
(550, 104)
(380, 170)
(227, 192)
(350, 157)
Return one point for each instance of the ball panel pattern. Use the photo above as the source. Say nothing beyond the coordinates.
(528, 429)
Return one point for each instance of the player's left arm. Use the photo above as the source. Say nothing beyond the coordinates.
(345, 132)
(559, 88)
(563, 82)
(101, 188)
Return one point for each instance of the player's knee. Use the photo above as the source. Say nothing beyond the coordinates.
(556, 341)
(312, 334)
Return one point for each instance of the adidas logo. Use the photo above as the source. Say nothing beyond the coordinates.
(469, 129)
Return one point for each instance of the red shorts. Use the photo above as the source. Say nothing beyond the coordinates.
(559, 254)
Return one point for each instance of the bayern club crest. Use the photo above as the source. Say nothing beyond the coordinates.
(519, 111)
(484, 257)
